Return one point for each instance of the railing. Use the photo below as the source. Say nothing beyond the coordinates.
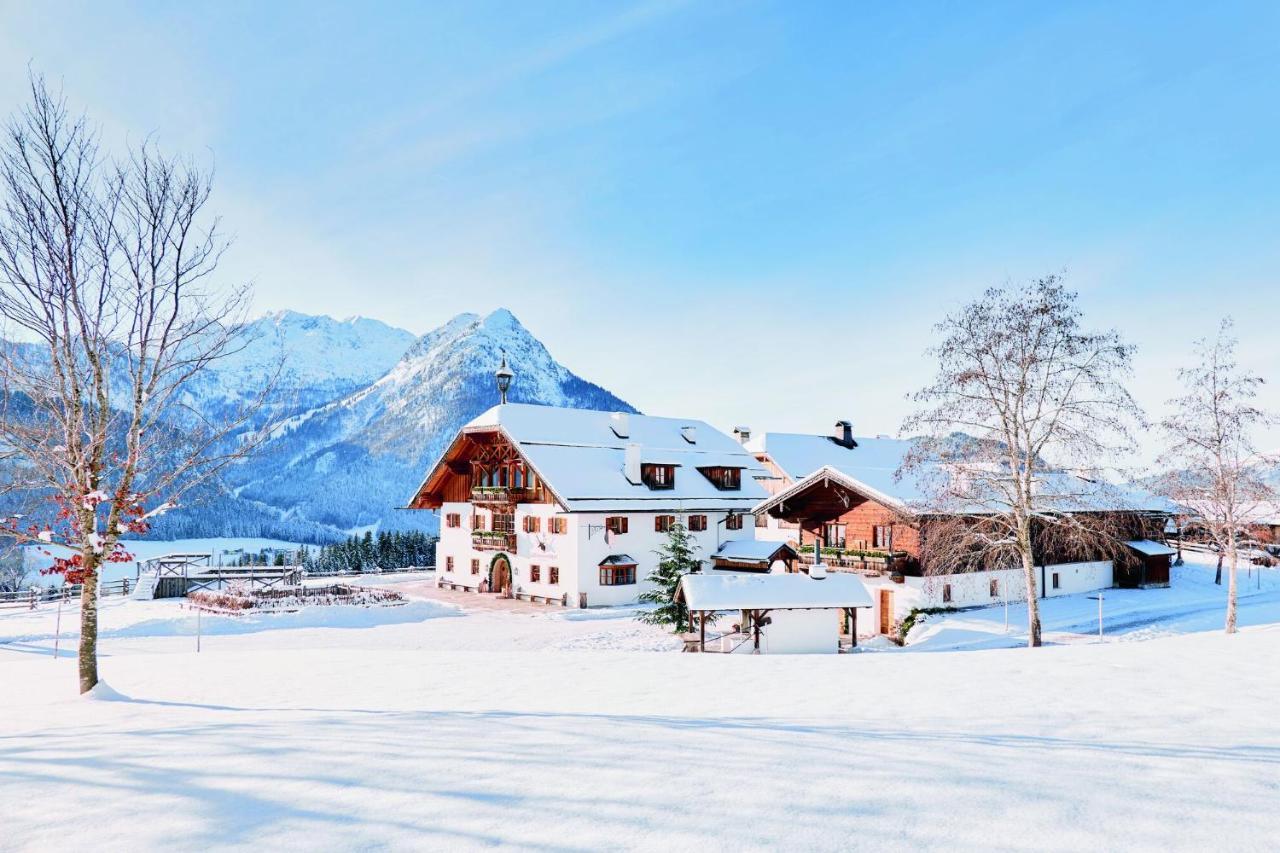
(861, 562)
(372, 570)
(492, 540)
(30, 599)
(497, 494)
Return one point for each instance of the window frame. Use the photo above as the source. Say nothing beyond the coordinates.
(663, 523)
(475, 565)
(616, 524)
(658, 477)
(535, 573)
(733, 521)
(448, 564)
(627, 572)
(697, 523)
(553, 575)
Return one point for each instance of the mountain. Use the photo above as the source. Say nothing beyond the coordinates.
(350, 461)
(305, 360)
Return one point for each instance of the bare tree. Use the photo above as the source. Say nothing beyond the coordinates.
(1212, 469)
(103, 291)
(1015, 433)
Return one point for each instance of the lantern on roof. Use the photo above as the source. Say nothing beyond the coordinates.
(504, 375)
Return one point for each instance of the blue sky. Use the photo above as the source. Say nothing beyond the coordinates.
(752, 211)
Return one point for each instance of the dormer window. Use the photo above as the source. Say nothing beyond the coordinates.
(658, 476)
(725, 479)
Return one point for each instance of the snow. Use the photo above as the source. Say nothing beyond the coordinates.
(223, 549)
(1192, 602)
(738, 591)
(578, 454)
(750, 550)
(539, 728)
(1151, 549)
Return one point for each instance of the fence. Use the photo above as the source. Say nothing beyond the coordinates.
(30, 599)
(344, 573)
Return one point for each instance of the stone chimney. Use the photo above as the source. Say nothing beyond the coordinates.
(631, 465)
(620, 423)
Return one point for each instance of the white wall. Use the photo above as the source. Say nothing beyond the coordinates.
(800, 632)
(577, 552)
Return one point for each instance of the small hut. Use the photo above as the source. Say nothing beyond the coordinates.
(781, 613)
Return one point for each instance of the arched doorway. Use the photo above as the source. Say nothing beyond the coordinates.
(500, 575)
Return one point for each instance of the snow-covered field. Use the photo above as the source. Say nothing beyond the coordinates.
(429, 727)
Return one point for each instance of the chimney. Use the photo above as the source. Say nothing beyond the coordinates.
(631, 465)
(689, 434)
(817, 572)
(742, 434)
(843, 434)
(620, 423)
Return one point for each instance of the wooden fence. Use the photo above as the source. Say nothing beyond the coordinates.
(30, 599)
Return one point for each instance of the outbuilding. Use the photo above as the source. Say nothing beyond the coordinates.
(781, 613)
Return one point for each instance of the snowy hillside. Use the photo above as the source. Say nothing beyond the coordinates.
(352, 461)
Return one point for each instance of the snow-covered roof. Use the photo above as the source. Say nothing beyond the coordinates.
(750, 550)
(872, 464)
(578, 454)
(618, 560)
(773, 592)
(1151, 549)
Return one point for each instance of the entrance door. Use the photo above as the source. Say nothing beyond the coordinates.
(500, 576)
(886, 611)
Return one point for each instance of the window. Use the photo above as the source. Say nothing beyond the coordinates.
(535, 574)
(697, 523)
(1055, 580)
(882, 536)
(504, 522)
(658, 476)
(617, 575)
(532, 524)
(453, 519)
(475, 567)
(556, 525)
(733, 521)
(946, 593)
(553, 575)
(833, 536)
(726, 479)
(448, 564)
(477, 523)
(995, 588)
(616, 524)
(663, 523)
(762, 520)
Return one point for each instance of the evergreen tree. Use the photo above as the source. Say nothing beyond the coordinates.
(675, 560)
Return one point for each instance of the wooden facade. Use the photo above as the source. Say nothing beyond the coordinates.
(482, 467)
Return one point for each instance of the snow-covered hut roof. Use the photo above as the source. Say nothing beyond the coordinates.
(580, 456)
(751, 550)
(1149, 548)
(772, 592)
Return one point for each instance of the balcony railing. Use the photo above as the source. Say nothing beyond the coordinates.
(497, 494)
(492, 540)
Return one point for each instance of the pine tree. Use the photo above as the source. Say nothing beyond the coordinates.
(675, 560)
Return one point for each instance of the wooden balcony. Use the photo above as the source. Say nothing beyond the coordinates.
(497, 494)
(489, 540)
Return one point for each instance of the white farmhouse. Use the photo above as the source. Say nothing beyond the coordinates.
(569, 505)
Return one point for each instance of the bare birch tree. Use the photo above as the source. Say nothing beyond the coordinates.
(1015, 433)
(1212, 468)
(108, 314)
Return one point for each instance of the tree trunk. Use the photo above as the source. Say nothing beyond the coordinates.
(1033, 603)
(89, 629)
(1231, 593)
(1218, 577)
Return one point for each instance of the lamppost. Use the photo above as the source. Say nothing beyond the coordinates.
(503, 375)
